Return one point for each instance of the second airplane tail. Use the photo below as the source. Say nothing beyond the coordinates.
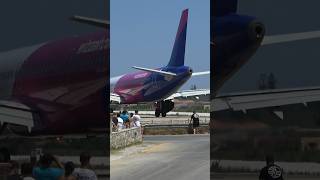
(178, 51)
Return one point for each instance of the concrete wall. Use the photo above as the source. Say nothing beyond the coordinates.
(125, 137)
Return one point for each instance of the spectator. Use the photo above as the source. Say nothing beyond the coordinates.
(130, 120)
(195, 120)
(85, 171)
(271, 171)
(136, 119)
(125, 117)
(26, 171)
(120, 122)
(14, 171)
(68, 170)
(47, 170)
(114, 122)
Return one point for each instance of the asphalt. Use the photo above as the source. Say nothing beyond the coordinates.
(255, 176)
(183, 157)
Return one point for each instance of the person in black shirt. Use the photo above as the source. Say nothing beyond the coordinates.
(271, 171)
(195, 120)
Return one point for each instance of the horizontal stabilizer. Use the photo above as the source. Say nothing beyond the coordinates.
(189, 93)
(200, 73)
(91, 21)
(155, 71)
(282, 38)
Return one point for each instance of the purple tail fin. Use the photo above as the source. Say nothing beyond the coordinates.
(178, 52)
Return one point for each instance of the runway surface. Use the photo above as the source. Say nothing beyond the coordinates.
(183, 157)
(253, 176)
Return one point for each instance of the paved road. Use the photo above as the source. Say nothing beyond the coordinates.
(183, 157)
(253, 176)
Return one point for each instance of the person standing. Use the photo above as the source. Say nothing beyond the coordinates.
(125, 116)
(195, 121)
(120, 122)
(271, 171)
(136, 119)
(47, 170)
(114, 122)
(68, 170)
(14, 171)
(131, 120)
(85, 171)
(26, 171)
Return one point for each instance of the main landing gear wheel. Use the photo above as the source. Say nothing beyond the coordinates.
(157, 113)
(163, 107)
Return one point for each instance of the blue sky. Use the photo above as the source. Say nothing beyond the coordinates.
(143, 33)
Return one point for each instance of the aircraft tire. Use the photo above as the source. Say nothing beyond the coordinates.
(157, 113)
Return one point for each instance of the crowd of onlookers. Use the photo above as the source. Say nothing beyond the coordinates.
(48, 167)
(124, 120)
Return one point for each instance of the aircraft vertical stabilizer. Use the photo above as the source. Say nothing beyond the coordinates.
(178, 52)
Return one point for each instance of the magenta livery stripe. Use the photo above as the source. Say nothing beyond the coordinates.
(183, 22)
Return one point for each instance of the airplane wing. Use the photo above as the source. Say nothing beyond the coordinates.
(267, 98)
(154, 70)
(282, 38)
(189, 93)
(115, 98)
(200, 73)
(91, 21)
(16, 113)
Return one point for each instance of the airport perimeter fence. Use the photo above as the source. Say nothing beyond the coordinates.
(180, 122)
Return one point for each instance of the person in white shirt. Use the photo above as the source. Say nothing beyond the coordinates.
(26, 171)
(84, 172)
(136, 119)
(120, 122)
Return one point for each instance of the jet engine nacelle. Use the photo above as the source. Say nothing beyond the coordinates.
(235, 38)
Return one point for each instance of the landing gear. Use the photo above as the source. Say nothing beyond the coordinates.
(157, 112)
(162, 107)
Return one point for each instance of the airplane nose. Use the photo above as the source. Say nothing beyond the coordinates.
(256, 31)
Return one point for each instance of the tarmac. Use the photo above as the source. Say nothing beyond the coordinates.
(182, 157)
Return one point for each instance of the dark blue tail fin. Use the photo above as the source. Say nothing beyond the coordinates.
(177, 55)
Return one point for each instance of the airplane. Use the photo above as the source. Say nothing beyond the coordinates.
(158, 85)
(57, 87)
(234, 39)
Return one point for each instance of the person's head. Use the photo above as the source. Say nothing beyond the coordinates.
(68, 168)
(194, 112)
(136, 111)
(269, 160)
(118, 114)
(14, 167)
(85, 159)
(131, 114)
(124, 112)
(46, 160)
(26, 169)
(114, 114)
